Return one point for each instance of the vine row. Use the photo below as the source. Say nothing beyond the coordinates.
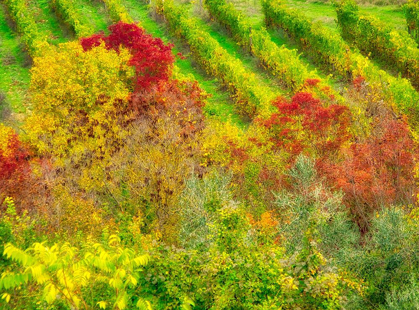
(330, 51)
(34, 40)
(69, 13)
(373, 36)
(412, 19)
(117, 11)
(250, 96)
(280, 61)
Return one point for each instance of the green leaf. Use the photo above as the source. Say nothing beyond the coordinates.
(113, 240)
(121, 301)
(102, 304)
(187, 303)
(142, 260)
(50, 293)
(133, 280)
(144, 304)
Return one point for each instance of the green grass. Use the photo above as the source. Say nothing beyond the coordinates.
(325, 14)
(93, 14)
(47, 22)
(252, 8)
(281, 40)
(14, 68)
(250, 62)
(392, 15)
(219, 104)
(253, 11)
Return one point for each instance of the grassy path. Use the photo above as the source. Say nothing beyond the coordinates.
(253, 10)
(94, 14)
(282, 40)
(325, 14)
(219, 104)
(47, 21)
(250, 62)
(392, 15)
(14, 69)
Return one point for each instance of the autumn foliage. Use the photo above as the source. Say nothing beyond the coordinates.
(118, 129)
(151, 58)
(167, 204)
(304, 123)
(14, 163)
(13, 155)
(377, 172)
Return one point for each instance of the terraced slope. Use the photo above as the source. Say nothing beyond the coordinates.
(98, 15)
(219, 104)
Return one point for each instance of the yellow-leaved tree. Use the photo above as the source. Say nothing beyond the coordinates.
(76, 97)
(122, 137)
(68, 277)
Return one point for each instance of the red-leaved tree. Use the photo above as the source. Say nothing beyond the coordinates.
(14, 163)
(151, 58)
(304, 123)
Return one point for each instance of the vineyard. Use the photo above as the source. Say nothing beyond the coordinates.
(211, 154)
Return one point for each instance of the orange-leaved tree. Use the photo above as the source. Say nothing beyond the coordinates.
(377, 172)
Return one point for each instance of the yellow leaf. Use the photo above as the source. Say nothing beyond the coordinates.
(6, 296)
(102, 304)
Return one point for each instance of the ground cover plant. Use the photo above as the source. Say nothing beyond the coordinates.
(205, 155)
